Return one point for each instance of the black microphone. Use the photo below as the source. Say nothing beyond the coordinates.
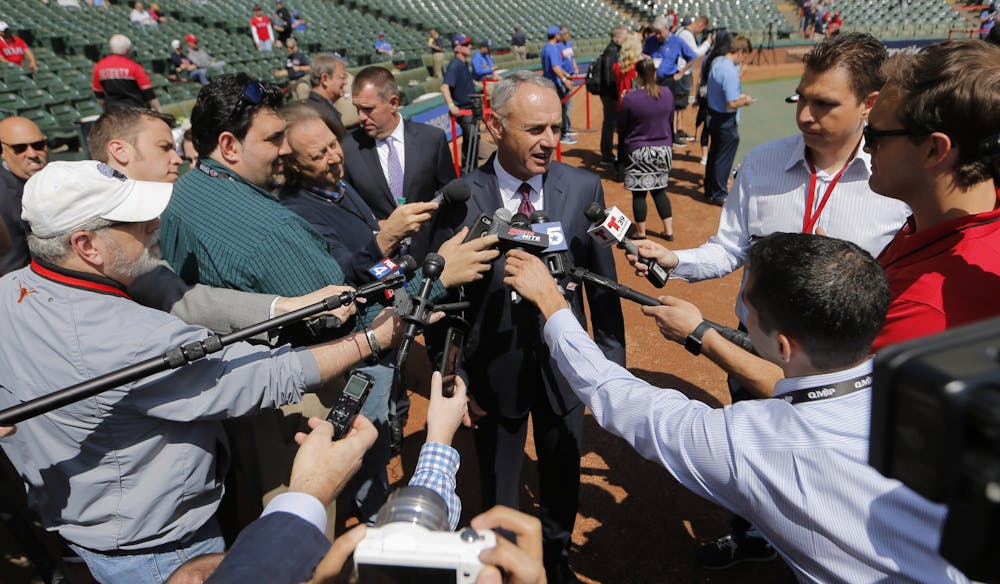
(554, 256)
(456, 191)
(518, 221)
(432, 268)
(737, 337)
(607, 229)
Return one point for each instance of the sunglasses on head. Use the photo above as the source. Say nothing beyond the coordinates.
(20, 148)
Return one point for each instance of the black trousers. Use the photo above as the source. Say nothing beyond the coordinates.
(609, 103)
(558, 443)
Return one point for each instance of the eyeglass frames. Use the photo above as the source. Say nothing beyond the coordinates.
(873, 135)
(20, 148)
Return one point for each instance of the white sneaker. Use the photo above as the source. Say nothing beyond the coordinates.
(569, 140)
(570, 133)
(704, 160)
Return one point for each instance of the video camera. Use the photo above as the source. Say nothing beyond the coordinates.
(936, 428)
(411, 543)
(476, 100)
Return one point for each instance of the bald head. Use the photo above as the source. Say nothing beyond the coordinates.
(24, 146)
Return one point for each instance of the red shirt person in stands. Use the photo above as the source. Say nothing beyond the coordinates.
(261, 30)
(120, 81)
(934, 137)
(14, 49)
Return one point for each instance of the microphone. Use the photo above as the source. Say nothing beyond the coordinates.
(737, 337)
(610, 227)
(456, 191)
(405, 265)
(520, 236)
(386, 286)
(432, 268)
(554, 256)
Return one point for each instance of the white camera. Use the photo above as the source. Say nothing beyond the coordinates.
(411, 543)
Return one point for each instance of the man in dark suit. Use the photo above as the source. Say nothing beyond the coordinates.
(388, 160)
(328, 76)
(507, 363)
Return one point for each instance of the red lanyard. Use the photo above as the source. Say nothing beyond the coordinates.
(809, 219)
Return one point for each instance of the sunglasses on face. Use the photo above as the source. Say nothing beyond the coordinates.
(873, 135)
(20, 148)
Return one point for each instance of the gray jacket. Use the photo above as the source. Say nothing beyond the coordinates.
(142, 464)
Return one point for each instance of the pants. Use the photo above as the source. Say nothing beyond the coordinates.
(563, 92)
(609, 103)
(153, 567)
(558, 442)
(725, 139)
(521, 52)
(299, 88)
(470, 142)
(438, 60)
(199, 75)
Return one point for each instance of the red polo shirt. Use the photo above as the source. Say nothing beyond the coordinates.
(942, 277)
(13, 50)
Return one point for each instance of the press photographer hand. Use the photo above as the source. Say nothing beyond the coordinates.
(322, 467)
(529, 276)
(522, 561)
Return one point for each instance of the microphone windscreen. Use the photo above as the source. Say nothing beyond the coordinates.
(503, 214)
(408, 264)
(433, 266)
(457, 191)
(594, 212)
(539, 216)
(519, 220)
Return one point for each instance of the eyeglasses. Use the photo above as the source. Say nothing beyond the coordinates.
(254, 93)
(873, 135)
(20, 148)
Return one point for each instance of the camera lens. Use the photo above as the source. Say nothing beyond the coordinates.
(417, 505)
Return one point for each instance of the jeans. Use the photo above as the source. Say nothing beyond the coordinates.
(154, 567)
(370, 485)
(563, 92)
(199, 75)
(609, 103)
(723, 130)
(470, 142)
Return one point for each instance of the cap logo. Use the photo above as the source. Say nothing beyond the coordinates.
(110, 172)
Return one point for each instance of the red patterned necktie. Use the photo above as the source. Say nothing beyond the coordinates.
(525, 207)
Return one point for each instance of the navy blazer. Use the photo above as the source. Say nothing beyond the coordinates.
(506, 362)
(428, 166)
(278, 548)
(347, 224)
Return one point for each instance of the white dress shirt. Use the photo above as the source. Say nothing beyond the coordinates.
(382, 148)
(769, 196)
(509, 184)
(799, 473)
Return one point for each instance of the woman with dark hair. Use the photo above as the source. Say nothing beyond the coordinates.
(645, 125)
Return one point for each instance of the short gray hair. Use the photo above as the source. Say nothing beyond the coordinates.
(662, 23)
(324, 64)
(120, 44)
(53, 250)
(504, 90)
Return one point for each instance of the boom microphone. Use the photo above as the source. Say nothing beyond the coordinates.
(432, 268)
(610, 227)
(456, 191)
(737, 337)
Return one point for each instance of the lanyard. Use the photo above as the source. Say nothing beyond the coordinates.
(90, 282)
(811, 394)
(809, 219)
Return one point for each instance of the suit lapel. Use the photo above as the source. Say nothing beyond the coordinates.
(555, 196)
(414, 162)
(369, 154)
(486, 194)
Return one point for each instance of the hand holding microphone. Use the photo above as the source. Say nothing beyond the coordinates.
(610, 227)
(404, 221)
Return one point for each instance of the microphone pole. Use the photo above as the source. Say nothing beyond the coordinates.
(737, 337)
(183, 355)
(432, 268)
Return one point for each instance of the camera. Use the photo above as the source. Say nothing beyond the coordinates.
(936, 428)
(411, 543)
(477, 106)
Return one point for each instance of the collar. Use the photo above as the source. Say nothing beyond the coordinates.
(908, 241)
(823, 379)
(396, 134)
(510, 183)
(215, 169)
(75, 279)
(336, 194)
(797, 157)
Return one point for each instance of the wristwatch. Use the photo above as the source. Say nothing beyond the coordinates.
(693, 341)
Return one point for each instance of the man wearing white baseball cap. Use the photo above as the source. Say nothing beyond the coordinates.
(132, 477)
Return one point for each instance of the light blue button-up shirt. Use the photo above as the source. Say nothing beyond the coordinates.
(798, 472)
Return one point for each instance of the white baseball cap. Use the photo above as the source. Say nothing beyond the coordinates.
(3, 26)
(65, 195)
(175, 44)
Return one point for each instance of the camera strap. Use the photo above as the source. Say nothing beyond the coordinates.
(842, 388)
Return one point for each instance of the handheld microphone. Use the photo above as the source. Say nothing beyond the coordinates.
(521, 236)
(405, 265)
(456, 191)
(554, 256)
(386, 286)
(611, 226)
(737, 337)
(432, 268)
(490, 225)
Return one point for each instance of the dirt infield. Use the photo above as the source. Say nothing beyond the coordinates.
(636, 523)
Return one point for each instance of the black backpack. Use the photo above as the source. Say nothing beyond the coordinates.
(601, 75)
(593, 81)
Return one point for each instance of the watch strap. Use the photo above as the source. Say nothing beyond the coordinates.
(693, 341)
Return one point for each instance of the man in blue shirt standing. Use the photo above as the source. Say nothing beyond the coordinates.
(725, 97)
(552, 69)
(482, 63)
(666, 50)
(457, 90)
(569, 65)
